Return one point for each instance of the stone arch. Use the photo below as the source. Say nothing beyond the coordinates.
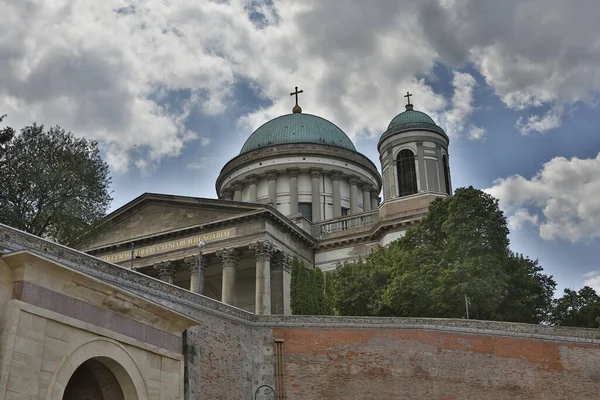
(113, 356)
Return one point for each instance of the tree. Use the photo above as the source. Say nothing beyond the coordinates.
(460, 248)
(307, 291)
(574, 308)
(52, 184)
(529, 292)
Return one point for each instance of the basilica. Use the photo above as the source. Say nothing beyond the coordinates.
(181, 298)
(298, 188)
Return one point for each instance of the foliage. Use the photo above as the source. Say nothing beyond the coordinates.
(574, 308)
(52, 184)
(459, 248)
(307, 291)
(529, 292)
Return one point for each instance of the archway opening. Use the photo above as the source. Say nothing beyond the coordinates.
(407, 173)
(93, 380)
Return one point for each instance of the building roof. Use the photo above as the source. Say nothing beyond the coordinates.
(411, 120)
(297, 128)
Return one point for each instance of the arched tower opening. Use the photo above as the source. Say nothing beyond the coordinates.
(407, 173)
(446, 175)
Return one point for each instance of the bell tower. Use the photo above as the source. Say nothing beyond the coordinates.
(413, 152)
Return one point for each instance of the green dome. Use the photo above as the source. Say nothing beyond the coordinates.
(410, 117)
(297, 128)
(411, 120)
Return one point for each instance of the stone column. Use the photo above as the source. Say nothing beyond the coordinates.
(354, 195)
(366, 195)
(263, 251)
(194, 263)
(252, 188)
(421, 166)
(337, 197)
(272, 177)
(374, 200)
(280, 288)
(229, 261)
(166, 271)
(227, 194)
(237, 191)
(315, 175)
(293, 174)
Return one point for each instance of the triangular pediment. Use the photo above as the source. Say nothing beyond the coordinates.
(152, 214)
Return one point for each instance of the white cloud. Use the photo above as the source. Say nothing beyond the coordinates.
(106, 69)
(541, 124)
(592, 279)
(476, 133)
(565, 191)
(205, 141)
(521, 215)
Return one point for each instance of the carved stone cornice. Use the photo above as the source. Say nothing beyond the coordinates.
(335, 175)
(226, 193)
(365, 187)
(282, 261)
(293, 172)
(315, 172)
(193, 263)
(166, 270)
(230, 257)
(263, 249)
(252, 179)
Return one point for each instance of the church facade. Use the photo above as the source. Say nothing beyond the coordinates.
(298, 188)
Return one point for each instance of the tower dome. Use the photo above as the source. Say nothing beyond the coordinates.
(297, 128)
(411, 120)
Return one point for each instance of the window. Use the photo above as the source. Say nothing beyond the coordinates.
(407, 173)
(345, 211)
(446, 174)
(306, 210)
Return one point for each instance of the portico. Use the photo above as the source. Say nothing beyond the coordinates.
(246, 262)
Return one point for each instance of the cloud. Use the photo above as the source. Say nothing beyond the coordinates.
(565, 192)
(107, 70)
(542, 124)
(521, 215)
(592, 279)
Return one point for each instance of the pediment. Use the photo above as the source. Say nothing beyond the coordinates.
(149, 215)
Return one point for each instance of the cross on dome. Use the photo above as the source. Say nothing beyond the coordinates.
(296, 108)
(409, 106)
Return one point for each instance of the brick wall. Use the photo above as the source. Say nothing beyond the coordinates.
(346, 363)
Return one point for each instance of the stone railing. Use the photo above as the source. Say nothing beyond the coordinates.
(348, 223)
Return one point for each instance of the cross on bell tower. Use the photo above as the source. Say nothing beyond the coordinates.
(296, 108)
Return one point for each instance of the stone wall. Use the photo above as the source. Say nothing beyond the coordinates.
(340, 358)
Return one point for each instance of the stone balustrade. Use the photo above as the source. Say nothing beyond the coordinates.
(346, 223)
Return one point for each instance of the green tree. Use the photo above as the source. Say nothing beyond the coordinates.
(577, 308)
(329, 294)
(52, 184)
(307, 291)
(459, 248)
(529, 292)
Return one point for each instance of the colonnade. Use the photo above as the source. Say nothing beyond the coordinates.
(271, 265)
(360, 191)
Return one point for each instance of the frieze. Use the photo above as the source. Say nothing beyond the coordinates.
(170, 245)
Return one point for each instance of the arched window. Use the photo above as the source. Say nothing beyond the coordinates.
(407, 173)
(446, 174)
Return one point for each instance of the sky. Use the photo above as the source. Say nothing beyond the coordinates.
(172, 89)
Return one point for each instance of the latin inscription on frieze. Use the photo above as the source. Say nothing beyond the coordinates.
(169, 246)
